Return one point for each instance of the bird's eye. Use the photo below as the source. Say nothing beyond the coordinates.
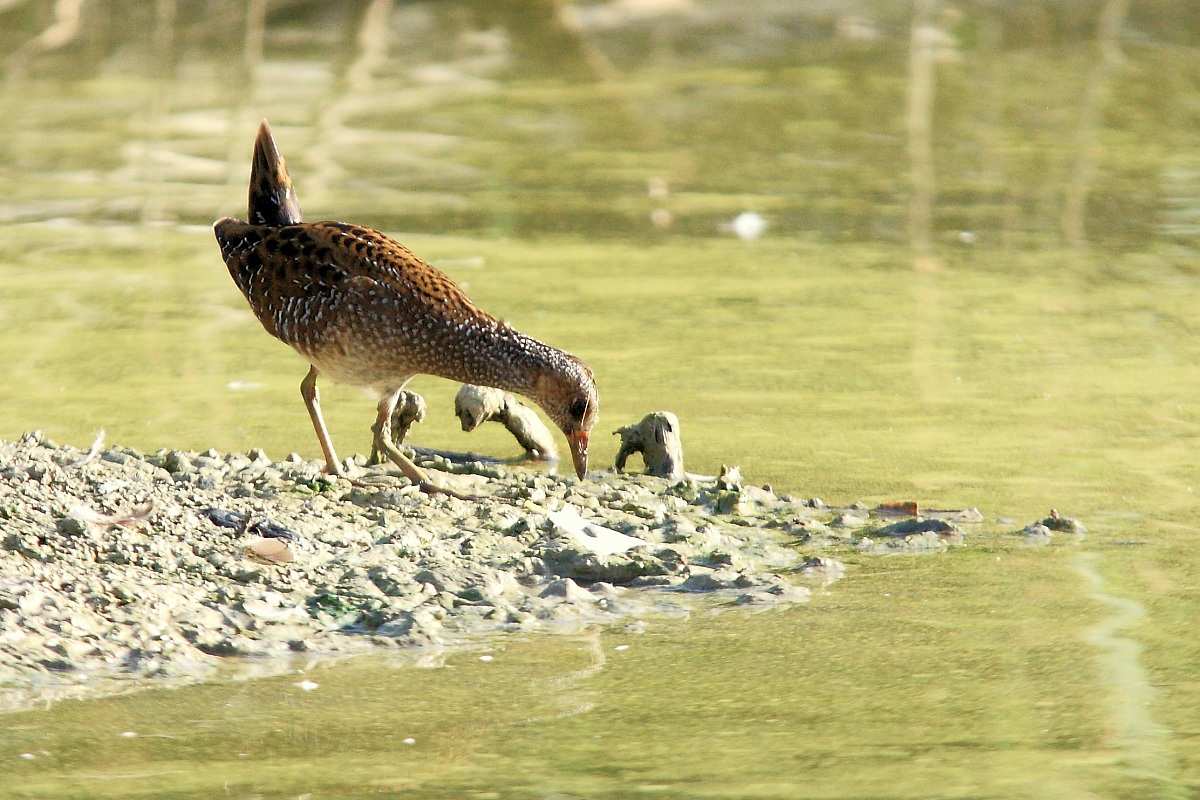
(579, 407)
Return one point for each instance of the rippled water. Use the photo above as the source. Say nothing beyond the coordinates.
(579, 167)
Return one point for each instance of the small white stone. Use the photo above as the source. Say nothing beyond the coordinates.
(622, 647)
(128, 735)
(410, 740)
(596, 538)
(28, 756)
(485, 658)
(748, 226)
(307, 685)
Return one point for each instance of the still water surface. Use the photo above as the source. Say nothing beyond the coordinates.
(976, 288)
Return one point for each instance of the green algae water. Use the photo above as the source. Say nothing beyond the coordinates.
(526, 154)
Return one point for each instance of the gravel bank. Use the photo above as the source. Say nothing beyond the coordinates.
(118, 564)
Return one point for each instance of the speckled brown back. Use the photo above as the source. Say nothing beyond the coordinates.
(344, 293)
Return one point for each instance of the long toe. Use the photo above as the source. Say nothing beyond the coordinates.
(430, 488)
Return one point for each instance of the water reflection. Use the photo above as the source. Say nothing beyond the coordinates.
(949, 126)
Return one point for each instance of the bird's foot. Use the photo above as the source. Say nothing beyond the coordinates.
(430, 488)
(376, 481)
(392, 481)
(334, 470)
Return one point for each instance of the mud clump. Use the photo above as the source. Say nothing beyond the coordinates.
(475, 405)
(657, 438)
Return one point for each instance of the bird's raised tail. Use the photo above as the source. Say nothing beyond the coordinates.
(272, 198)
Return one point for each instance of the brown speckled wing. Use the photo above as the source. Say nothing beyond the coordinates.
(287, 285)
(340, 290)
(366, 253)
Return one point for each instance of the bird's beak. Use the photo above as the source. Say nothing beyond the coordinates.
(578, 442)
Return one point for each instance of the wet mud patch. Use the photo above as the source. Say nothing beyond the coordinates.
(120, 565)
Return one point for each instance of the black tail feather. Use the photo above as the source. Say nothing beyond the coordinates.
(273, 199)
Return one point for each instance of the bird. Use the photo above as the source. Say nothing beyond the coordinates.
(363, 310)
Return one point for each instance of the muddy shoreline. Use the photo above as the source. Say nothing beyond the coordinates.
(119, 565)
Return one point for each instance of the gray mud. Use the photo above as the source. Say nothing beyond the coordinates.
(116, 564)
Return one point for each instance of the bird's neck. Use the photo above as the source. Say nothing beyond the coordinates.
(518, 363)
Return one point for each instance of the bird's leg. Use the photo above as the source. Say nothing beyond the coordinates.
(308, 390)
(383, 442)
(410, 409)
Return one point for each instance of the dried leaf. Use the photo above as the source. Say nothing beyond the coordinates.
(135, 516)
(96, 445)
(899, 508)
(274, 550)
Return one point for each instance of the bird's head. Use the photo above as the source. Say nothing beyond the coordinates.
(568, 396)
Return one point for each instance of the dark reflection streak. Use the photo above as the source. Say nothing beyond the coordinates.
(547, 40)
(544, 38)
(1095, 97)
(16, 65)
(374, 32)
(632, 120)
(155, 133)
(252, 47)
(1002, 214)
(920, 145)
(598, 64)
(61, 32)
(246, 113)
